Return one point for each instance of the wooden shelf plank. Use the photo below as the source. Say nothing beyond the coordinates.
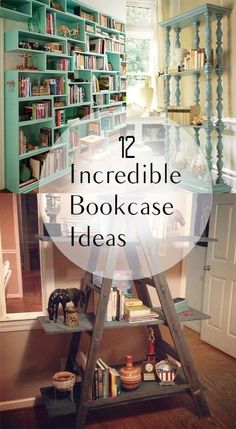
(87, 322)
(61, 405)
(146, 391)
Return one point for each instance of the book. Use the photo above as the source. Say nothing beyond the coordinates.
(153, 316)
(105, 378)
(114, 383)
(100, 379)
(133, 302)
(138, 310)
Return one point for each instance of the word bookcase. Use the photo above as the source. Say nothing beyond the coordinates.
(187, 380)
(73, 67)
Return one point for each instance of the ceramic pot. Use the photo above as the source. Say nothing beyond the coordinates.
(166, 371)
(130, 375)
(63, 380)
(179, 56)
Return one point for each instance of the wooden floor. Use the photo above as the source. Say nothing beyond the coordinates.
(217, 371)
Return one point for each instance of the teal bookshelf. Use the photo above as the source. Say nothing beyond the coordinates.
(42, 100)
(204, 15)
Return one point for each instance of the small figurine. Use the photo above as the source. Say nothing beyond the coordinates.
(64, 31)
(63, 296)
(198, 120)
(148, 366)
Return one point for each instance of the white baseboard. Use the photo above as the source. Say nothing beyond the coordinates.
(20, 403)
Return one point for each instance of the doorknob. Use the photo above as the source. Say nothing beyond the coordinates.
(207, 267)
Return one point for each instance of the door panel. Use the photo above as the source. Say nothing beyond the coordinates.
(219, 298)
(215, 302)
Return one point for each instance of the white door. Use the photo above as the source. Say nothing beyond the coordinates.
(219, 299)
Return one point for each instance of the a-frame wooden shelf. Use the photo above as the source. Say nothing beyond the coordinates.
(187, 380)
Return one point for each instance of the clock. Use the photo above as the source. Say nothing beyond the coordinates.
(148, 370)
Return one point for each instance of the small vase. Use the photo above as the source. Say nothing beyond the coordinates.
(25, 173)
(72, 316)
(130, 375)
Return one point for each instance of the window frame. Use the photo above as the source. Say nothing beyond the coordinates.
(28, 320)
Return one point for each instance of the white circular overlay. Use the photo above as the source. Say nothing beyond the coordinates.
(132, 203)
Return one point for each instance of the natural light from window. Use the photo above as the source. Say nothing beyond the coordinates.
(141, 46)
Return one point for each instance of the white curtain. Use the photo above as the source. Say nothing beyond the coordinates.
(160, 37)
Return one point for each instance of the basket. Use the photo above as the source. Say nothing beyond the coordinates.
(63, 380)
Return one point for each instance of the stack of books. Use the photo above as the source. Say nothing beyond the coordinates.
(106, 381)
(135, 311)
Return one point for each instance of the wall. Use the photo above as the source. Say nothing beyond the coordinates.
(111, 7)
(2, 170)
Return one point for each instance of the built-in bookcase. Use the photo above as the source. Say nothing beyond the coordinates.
(76, 68)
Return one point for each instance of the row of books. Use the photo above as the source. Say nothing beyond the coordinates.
(114, 46)
(51, 23)
(101, 46)
(77, 94)
(183, 115)
(118, 37)
(116, 304)
(99, 100)
(195, 59)
(118, 26)
(108, 22)
(61, 64)
(90, 62)
(106, 381)
(105, 21)
(84, 15)
(53, 86)
(48, 163)
(37, 111)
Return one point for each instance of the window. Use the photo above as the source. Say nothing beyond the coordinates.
(20, 253)
(141, 44)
